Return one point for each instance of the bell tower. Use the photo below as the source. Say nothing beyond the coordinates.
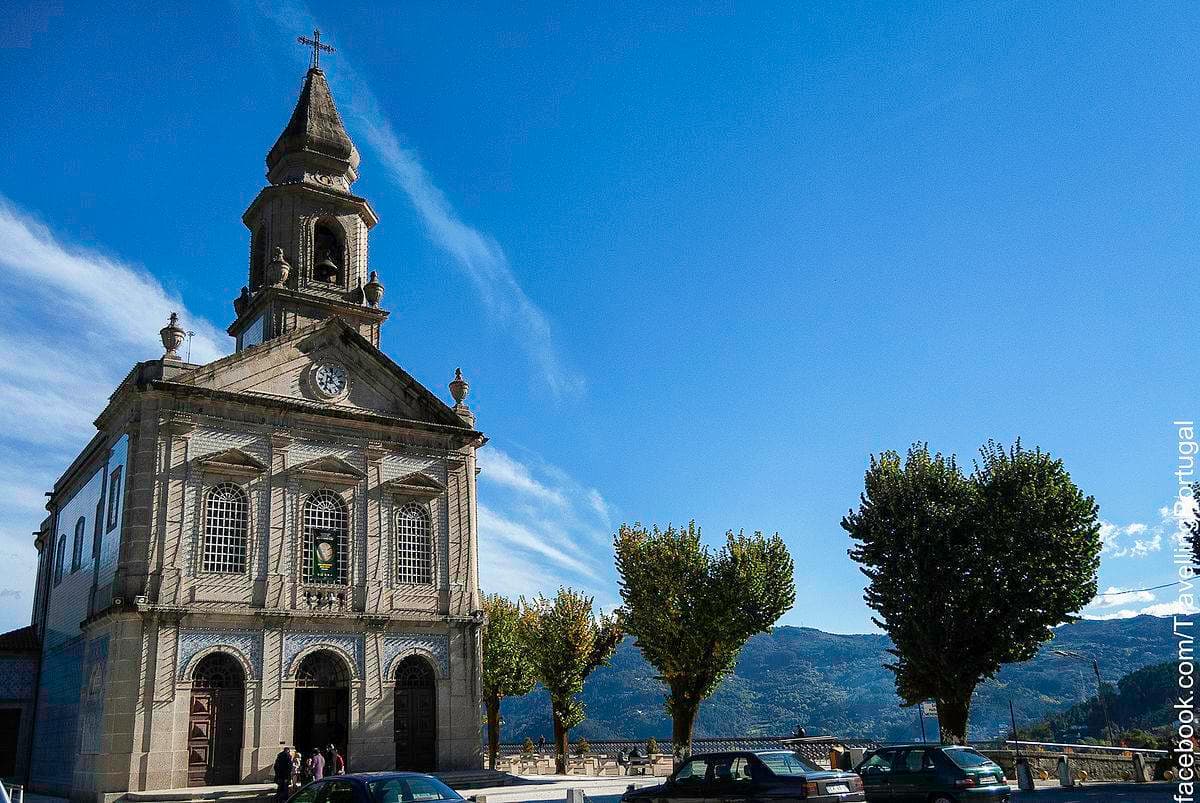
(308, 231)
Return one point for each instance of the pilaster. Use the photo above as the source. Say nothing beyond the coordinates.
(277, 553)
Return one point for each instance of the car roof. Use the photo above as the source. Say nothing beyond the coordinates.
(926, 745)
(378, 776)
(725, 753)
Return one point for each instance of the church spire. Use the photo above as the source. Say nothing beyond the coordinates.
(314, 146)
(308, 232)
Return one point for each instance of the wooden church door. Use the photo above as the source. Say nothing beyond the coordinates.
(215, 722)
(416, 716)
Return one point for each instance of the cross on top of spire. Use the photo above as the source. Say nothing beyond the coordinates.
(317, 46)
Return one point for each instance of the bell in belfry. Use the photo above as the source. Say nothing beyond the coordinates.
(326, 270)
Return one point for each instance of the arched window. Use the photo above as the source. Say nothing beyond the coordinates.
(325, 520)
(226, 511)
(258, 257)
(60, 559)
(218, 670)
(414, 546)
(77, 547)
(322, 670)
(328, 257)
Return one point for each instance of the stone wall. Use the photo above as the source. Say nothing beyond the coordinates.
(1099, 767)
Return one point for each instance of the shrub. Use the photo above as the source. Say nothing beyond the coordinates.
(652, 745)
(527, 746)
(582, 747)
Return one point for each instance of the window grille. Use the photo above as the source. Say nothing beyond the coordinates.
(325, 510)
(414, 546)
(226, 510)
(218, 671)
(114, 498)
(322, 670)
(77, 547)
(414, 673)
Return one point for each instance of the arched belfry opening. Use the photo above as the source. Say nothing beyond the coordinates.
(329, 255)
(215, 721)
(258, 257)
(416, 715)
(321, 713)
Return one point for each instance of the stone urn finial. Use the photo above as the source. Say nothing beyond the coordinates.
(172, 337)
(459, 387)
(374, 290)
(458, 390)
(279, 269)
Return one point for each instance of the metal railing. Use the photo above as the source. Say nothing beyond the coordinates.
(1067, 747)
(12, 793)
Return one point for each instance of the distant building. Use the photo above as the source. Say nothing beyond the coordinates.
(278, 546)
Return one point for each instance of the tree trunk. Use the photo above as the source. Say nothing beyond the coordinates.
(683, 717)
(560, 745)
(953, 713)
(493, 720)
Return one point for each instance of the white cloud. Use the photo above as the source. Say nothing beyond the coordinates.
(1139, 539)
(1171, 608)
(75, 322)
(539, 529)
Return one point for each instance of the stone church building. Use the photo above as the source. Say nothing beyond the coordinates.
(278, 546)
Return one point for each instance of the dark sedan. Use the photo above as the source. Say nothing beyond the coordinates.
(927, 773)
(376, 787)
(747, 777)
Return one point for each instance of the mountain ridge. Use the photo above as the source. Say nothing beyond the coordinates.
(835, 683)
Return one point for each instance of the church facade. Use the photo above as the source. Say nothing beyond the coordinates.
(276, 547)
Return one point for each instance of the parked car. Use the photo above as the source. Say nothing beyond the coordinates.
(376, 787)
(925, 773)
(747, 777)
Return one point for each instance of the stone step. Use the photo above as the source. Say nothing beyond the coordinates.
(475, 779)
(234, 793)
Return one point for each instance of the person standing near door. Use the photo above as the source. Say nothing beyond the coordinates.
(283, 773)
(317, 761)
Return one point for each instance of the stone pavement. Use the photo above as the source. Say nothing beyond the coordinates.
(1100, 793)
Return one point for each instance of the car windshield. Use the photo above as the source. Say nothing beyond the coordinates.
(966, 758)
(410, 788)
(786, 764)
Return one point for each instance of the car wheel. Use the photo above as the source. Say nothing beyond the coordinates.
(941, 799)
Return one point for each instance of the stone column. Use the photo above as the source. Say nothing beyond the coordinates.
(376, 578)
(171, 514)
(278, 563)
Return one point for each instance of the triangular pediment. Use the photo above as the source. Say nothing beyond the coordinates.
(232, 461)
(286, 367)
(417, 485)
(330, 468)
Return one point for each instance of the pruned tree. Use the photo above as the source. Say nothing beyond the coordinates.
(692, 609)
(507, 671)
(967, 573)
(565, 641)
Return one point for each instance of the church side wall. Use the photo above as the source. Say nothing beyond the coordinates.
(56, 737)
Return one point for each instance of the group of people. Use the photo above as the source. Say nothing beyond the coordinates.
(293, 770)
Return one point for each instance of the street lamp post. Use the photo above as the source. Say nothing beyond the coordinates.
(1099, 684)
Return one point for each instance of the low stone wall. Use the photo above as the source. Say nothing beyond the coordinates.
(595, 764)
(1099, 767)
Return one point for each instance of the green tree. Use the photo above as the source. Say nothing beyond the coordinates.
(692, 609)
(970, 572)
(565, 642)
(1193, 526)
(506, 667)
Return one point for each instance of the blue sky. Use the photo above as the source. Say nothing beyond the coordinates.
(697, 260)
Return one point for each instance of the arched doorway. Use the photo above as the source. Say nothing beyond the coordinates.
(321, 715)
(416, 716)
(215, 721)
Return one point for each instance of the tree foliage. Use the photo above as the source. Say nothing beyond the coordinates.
(1193, 526)
(692, 609)
(565, 642)
(970, 572)
(507, 671)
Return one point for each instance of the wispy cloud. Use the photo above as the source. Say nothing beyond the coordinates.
(75, 322)
(1114, 596)
(540, 529)
(476, 253)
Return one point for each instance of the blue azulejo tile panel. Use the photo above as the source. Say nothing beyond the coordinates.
(396, 645)
(248, 644)
(296, 643)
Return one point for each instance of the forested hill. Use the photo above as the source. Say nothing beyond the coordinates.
(836, 684)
